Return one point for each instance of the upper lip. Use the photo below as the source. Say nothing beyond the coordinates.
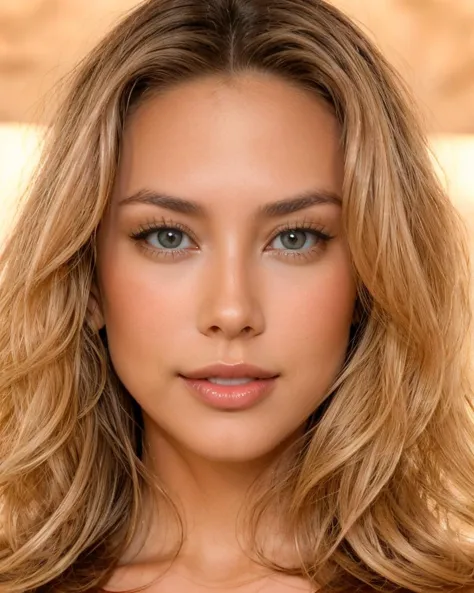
(230, 372)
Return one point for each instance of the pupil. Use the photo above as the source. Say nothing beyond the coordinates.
(171, 236)
(294, 238)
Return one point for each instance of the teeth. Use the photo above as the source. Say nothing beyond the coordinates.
(236, 381)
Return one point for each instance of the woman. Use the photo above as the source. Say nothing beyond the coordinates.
(279, 398)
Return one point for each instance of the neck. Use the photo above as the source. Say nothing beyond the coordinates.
(211, 496)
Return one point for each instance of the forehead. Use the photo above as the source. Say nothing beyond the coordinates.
(255, 136)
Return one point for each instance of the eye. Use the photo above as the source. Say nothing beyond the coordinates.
(172, 239)
(168, 238)
(295, 236)
(164, 239)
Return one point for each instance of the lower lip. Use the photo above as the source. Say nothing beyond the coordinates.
(230, 397)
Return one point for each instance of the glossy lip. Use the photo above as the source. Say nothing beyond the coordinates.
(230, 371)
(230, 397)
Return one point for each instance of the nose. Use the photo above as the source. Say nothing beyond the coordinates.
(229, 299)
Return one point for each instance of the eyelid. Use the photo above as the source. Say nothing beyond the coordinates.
(299, 225)
(151, 225)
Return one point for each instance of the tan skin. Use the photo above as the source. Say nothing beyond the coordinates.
(238, 291)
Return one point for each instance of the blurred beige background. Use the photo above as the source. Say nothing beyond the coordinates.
(430, 41)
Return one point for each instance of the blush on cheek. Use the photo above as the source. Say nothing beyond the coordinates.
(324, 309)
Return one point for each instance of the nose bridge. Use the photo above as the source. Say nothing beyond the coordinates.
(230, 300)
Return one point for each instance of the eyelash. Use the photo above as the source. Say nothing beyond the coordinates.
(144, 231)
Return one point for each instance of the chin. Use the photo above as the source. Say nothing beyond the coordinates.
(260, 433)
(237, 444)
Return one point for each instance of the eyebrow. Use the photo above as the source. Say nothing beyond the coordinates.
(269, 210)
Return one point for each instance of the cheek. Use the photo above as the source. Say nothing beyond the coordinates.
(318, 311)
(140, 308)
(314, 334)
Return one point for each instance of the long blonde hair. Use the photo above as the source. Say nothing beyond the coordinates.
(381, 495)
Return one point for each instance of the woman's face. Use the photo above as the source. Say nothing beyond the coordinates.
(227, 282)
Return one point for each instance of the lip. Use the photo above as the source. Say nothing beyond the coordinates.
(230, 371)
(230, 397)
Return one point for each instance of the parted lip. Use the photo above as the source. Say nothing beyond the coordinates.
(233, 371)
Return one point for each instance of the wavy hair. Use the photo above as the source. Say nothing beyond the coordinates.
(381, 495)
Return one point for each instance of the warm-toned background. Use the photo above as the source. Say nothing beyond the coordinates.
(430, 41)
